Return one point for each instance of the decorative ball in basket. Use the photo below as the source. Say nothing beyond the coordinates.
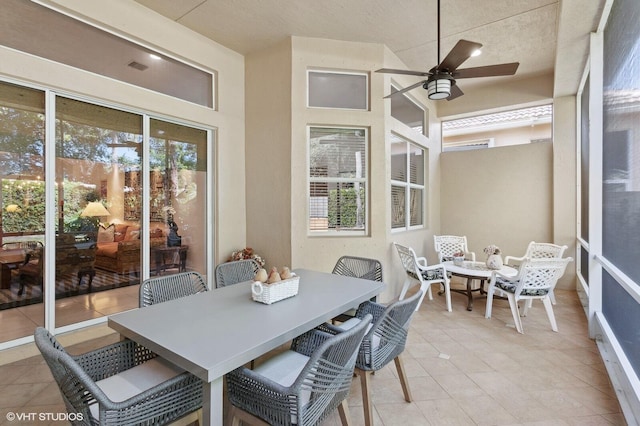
(275, 286)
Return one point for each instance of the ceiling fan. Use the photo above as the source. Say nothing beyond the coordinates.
(441, 79)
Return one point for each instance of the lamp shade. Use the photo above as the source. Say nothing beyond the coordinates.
(93, 209)
(439, 88)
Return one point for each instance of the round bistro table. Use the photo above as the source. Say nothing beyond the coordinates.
(474, 271)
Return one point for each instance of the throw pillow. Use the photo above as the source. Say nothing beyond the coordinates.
(105, 234)
(121, 230)
(133, 233)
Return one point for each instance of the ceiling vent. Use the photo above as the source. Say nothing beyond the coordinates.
(138, 66)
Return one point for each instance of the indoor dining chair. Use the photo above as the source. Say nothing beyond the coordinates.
(535, 280)
(539, 251)
(384, 342)
(168, 287)
(236, 272)
(120, 384)
(300, 386)
(417, 269)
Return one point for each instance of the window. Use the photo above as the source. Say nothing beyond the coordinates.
(407, 184)
(40, 31)
(338, 180)
(338, 90)
(409, 112)
(521, 126)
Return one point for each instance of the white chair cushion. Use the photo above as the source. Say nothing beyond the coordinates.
(351, 322)
(138, 379)
(283, 368)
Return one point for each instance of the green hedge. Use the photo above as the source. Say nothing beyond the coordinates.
(343, 208)
(30, 198)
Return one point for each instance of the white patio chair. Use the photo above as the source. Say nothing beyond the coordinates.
(535, 280)
(447, 245)
(539, 251)
(417, 269)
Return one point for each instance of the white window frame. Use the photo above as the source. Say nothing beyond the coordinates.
(408, 186)
(425, 111)
(364, 180)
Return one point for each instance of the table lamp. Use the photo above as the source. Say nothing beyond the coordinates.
(95, 209)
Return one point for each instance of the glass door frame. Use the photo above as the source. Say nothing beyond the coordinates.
(49, 300)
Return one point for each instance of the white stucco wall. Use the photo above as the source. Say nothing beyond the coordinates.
(500, 196)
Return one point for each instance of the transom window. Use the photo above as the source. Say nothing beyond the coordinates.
(338, 180)
(407, 184)
(409, 112)
(342, 90)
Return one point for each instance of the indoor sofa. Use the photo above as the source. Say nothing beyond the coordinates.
(119, 247)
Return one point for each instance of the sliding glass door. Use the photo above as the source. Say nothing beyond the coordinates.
(129, 201)
(22, 219)
(97, 244)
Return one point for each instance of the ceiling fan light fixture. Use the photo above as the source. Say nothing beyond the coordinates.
(439, 88)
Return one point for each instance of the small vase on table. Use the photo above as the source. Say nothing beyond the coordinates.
(494, 259)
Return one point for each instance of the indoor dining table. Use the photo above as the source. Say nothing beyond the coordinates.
(211, 333)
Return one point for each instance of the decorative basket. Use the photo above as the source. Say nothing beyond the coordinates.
(270, 293)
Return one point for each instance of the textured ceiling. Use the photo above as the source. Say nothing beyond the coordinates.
(543, 35)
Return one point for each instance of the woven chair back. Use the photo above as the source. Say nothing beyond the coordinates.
(359, 267)
(236, 272)
(388, 336)
(168, 287)
(328, 375)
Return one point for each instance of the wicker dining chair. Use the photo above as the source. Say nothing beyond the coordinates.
(168, 287)
(236, 272)
(535, 280)
(358, 267)
(120, 384)
(301, 386)
(384, 341)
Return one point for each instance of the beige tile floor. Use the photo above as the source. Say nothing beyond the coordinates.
(463, 370)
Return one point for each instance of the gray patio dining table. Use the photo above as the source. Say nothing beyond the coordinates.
(210, 334)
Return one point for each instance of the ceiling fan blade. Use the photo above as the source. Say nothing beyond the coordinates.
(488, 71)
(456, 92)
(407, 72)
(406, 89)
(460, 53)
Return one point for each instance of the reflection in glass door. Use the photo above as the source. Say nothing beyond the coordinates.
(99, 234)
(22, 219)
(177, 198)
(98, 244)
